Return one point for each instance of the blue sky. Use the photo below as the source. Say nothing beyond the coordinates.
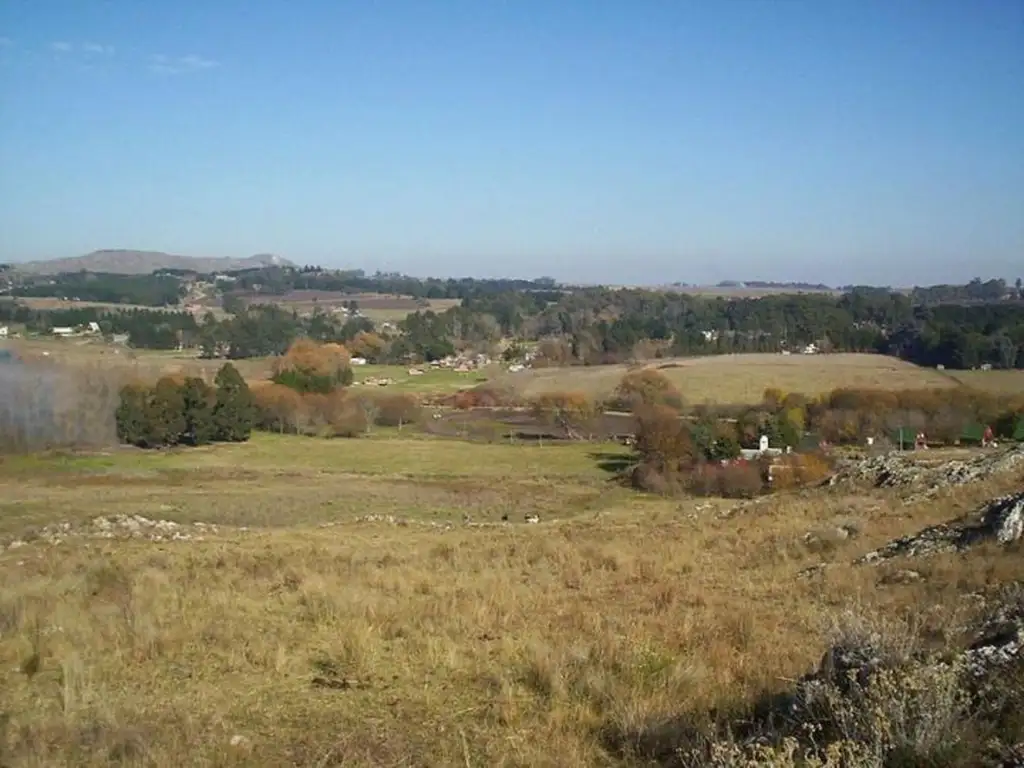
(591, 140)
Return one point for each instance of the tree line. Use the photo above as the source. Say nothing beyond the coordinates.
(589, 326)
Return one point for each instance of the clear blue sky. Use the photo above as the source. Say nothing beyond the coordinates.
(696, 140)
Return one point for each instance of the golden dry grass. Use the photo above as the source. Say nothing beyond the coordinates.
(735, 379)
(376, 644)
(998, 382)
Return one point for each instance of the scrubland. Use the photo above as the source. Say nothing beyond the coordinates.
(362, 602)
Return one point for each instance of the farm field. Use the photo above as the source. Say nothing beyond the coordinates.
(736, 379)
(376, 306)
(306, 630)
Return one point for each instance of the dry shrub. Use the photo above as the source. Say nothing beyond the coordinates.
(484, 396)
(282, 409)
(397, 410)
(739, 480)
(799, 470)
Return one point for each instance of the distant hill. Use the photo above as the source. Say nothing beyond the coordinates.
(143, 262)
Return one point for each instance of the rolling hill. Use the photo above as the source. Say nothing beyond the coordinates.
(128, 262)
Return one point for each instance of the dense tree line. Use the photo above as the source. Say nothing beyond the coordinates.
(146, 329)
(186, 412)
(156, 290)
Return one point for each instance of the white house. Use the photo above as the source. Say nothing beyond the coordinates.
(3, 332)
(358, 361)
(62, 331)
(763, 449)
(94, 327)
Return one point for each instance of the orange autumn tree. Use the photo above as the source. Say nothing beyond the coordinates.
(647, 387)
(308, 366)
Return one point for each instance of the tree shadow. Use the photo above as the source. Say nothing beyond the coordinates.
(613, 462)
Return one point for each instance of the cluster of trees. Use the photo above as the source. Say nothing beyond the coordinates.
(156, 290)
(186, 411)
(309, 394)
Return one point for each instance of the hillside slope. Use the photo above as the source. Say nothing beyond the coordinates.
(128, 262)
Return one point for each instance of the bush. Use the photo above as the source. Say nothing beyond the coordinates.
(732, 481)
(397, 410)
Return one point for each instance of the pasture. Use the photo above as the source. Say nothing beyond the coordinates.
(307, 629)
(429, 381)
(378, 307)
(740, 379)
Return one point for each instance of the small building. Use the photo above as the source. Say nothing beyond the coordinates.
(763, 449)
(358, 361)
(62, 331)
(94, 327)
(4, 332)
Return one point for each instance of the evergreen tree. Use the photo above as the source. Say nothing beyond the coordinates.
(165, 414)
(198, 400)
(233, 410)
(132, 415)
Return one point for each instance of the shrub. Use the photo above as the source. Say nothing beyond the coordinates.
(739, 480)
(396, 410)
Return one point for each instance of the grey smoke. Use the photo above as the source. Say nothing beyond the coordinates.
(44, 406)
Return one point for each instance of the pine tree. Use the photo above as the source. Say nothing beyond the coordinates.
(132, 415)
(198, 400)
(166, 414)
(233, 410)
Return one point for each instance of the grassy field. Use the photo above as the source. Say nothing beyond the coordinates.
(316, 638)
(741, 378)
(429, 382)
(723, 379)
(733, 379)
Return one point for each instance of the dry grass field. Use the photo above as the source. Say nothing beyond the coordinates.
(734, 379)
(299, 633)
(1001, 382)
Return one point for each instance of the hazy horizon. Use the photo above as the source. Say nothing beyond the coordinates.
(594, 142)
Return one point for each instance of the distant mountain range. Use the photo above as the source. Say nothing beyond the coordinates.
(124, 262)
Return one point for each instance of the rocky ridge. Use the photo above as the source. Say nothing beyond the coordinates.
(1001, 520)
(905, 470)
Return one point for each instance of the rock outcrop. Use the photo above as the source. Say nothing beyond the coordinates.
(906, 470)
(1000, 520)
